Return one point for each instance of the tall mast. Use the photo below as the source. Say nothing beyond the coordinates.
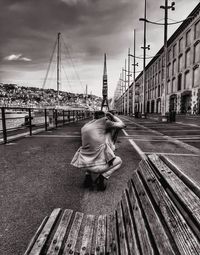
(58, 66)
(86, 93)
(105, 86)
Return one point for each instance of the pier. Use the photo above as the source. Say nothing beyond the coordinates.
(37, 176)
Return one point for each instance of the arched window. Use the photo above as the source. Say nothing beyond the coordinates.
(180, 63)
(187, 84)
(187, 58)
(197, 52)
(196, 76)
(179, 82)
(197, 30)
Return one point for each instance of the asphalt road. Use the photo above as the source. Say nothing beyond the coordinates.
(180, 142)
(36, 175)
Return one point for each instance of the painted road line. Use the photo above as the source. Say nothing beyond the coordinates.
(58, 136)
(169, 138)
(148, 140)
(188, 138)
(137, 148)
(182, 130)
(188, 124)
(192, 140)
(126, 134)
(142, 137)
(172, 154)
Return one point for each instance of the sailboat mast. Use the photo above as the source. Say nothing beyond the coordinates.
(58, 66)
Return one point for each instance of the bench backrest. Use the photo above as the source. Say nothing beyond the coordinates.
(158, 214)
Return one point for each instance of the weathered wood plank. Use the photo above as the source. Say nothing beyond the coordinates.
(87, 235)
(111, 246)
(39, 244)
(189, 198)
(34, 238)
(145, 245)
(57, 240)
(73, 234)
(182, 234)
(100, 248)
(121, 230)
(130, 228)
(159, 235)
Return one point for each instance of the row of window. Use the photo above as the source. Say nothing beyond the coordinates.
(172, 53)
(172, 68)
(175, 85)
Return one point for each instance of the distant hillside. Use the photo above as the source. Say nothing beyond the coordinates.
(14, 95)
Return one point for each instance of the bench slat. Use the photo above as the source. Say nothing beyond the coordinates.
(182, 234)
(158, 233)
(87, 235)
(185, 195)
(39, 244)
(121, 231)
(112, 247)
(73, 234)
(101, 236)
(130, 229)
(34, 238)
(57, 240)
(144, 241)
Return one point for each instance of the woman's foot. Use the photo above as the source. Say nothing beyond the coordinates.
(88, 182)
(101, 182)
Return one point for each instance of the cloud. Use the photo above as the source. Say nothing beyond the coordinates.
(75, 2)
(17, 57)
(89, 28)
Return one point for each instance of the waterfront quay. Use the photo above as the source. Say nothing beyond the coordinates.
(36, 175)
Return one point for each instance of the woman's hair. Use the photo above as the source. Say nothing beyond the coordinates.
(99, 114)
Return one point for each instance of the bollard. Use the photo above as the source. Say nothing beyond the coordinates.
(30, 121)
(45, 119)
(68, 116)
(51, 118)
(63, 117)
(4, 125)
(56, 117)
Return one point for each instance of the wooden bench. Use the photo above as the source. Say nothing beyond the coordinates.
(158, 214)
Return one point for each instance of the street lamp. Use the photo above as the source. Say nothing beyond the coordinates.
(144, 58)
(166, 7)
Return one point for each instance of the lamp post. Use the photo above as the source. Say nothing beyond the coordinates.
(144, 47)
(165, 7)
(128, 83)
(123, 92)
(58, 67)
(134, 65)
(124, 70)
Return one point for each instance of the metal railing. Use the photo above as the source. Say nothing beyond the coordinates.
(17, 122)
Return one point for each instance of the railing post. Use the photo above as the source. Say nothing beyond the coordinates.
(56, 117)
(30, 122)
(4, 125)
(63, 117)
(69, 117)
(73, 117)
(45, 118)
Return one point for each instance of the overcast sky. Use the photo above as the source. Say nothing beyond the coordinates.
(89, 28)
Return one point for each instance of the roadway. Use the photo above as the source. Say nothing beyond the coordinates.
(36, 175)
(179, 142)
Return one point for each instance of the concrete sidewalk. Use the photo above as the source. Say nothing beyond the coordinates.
(36, 177)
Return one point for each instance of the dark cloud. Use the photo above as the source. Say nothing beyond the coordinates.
(89, 28)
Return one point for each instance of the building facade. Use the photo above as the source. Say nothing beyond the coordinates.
(183, 74)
